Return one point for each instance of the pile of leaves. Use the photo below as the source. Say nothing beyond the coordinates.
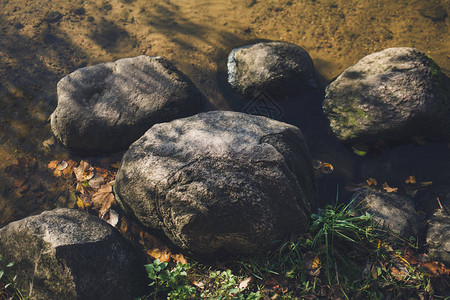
(93, 187)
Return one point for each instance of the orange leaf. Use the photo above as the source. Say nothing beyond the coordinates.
(179, 258)
(389, 189)
(410, 179)
(52, 165)
(327, 168)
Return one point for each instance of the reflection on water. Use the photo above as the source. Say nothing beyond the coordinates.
(43, 40)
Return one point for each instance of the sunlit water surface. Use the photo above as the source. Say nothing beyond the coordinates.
(42, 41)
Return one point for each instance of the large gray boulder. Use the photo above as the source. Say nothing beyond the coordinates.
(390, 211)
(219, 182)
(106, 107)
(69, 254)
(438, 236)
(277, 68)
(393, 94)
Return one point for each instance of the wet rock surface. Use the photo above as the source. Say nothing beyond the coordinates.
(219, 182)
(69, 254)
(106, 107)
(393, 212)
(438, 236)
(394, 94)
(277, 68)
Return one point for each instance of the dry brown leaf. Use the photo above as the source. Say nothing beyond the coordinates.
(389, 189)
(48, 142)
(179, 258)
(116, 165)
(244, 283)
(84, 171)
(103, 198)
(113, 218)
(97, 181)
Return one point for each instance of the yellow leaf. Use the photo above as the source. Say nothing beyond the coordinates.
(410, 179)
(327, 168)
(80, 203)
(371, 181)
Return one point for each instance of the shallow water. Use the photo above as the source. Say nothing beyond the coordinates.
(42, 41)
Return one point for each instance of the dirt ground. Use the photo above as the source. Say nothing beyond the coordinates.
(43, 40)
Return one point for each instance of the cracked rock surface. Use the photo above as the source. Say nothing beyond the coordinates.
(219, 182)
(106, 107)
(69, 254)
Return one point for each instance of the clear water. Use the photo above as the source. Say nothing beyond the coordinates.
(42, 41)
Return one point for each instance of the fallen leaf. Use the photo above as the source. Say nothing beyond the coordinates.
(162, 255)
(179, 258)
(103, 198)
(389, 189)
(371, 181)
(80, 203)
(97, 181)
(399, 275)
(199, 284)
(84, 171)
(113, 218)
(244, 283)
(312, 263)
(116, 165)
(48, 142)
(327, 168)
(410, 179)
(52, 164)
(62, 165)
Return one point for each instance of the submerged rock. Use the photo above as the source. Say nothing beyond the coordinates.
(277, 68)
(438, 236)
(393, 94)
(391, 211)
(106, 107)
(69, 254)
(219, 182)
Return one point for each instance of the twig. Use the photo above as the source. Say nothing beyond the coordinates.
(442, 207)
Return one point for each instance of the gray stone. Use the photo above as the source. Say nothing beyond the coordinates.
(69, 254)
(106, 107)
(393, 94)
(277, 68)
(390, 211)
(219, 182)
(438, 237)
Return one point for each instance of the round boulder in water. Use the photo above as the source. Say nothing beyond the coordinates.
(219, 182)
(277, 68)
(394, 94)
(106, 107)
